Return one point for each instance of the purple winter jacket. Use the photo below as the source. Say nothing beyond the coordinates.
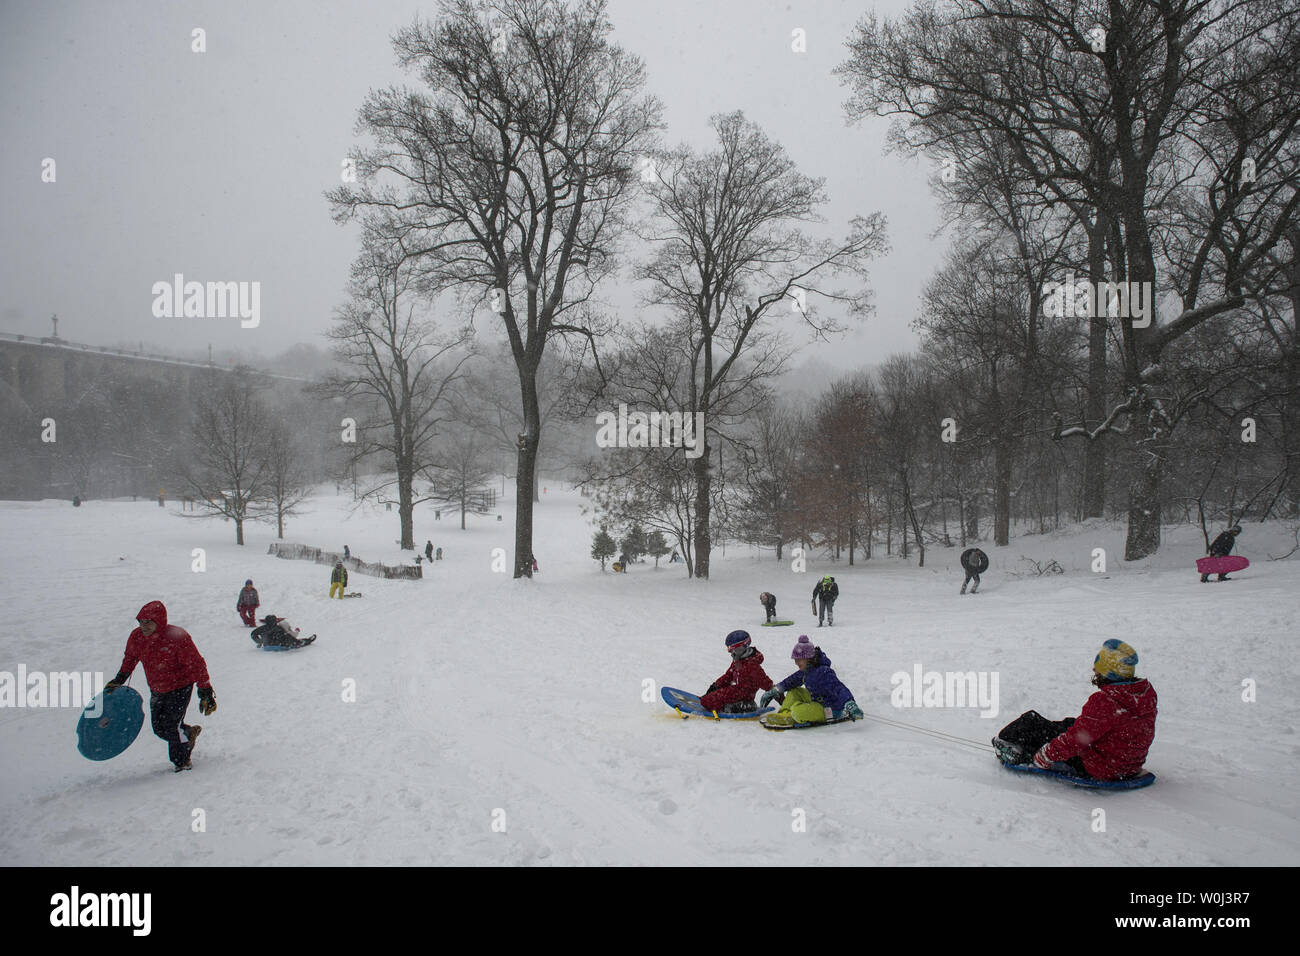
(821, 682)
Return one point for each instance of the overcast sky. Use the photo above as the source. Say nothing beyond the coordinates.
(214, 165)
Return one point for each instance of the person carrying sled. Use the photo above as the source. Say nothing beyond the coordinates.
(1109, 739)
(338, 579)
(733, 692)
(172, 668)
(1221, 547)
(278, 632)
(248, 604)
(769, 604)
(974, 562)
(827, 590)
(806, 694)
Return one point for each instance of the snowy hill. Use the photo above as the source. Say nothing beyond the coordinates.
(482, 700)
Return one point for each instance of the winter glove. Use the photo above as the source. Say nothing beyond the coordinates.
(853, 711)
(115, 683)
(207, 701)
(1041, 758)
(769, 695)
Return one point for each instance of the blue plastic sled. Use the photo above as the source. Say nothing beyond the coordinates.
(1074, 780)
(116, 723)
(688, 705)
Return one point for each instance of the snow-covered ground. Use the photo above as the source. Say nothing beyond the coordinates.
(504, 722)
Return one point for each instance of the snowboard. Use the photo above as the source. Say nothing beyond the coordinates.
(110, 723)
(1231, 562)
(688, 705)
(288, 647)
(1136, 783)
(805, 726)
(777, 623)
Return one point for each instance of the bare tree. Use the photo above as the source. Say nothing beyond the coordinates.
(463, 475)
(731, 255)
(399, 363)
(227, 470)
(286, 475)
(509, 176)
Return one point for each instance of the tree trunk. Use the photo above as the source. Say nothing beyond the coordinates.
(703, 482)
(1144, 512)
(1094, 453)
(239, 531)
(406, 506)
(1002, 491)
(526, 466)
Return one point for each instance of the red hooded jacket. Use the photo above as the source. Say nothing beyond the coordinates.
(1114, 732)
(170, 659)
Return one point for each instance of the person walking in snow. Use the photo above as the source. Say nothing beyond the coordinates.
(827, 590)
(1110, 738)
(338, 579)
(974, 562)
(248, 604)
(173, 667)
(1221, 547)
(769, 604)
(347, 555)
(428, 550)
(810, 691)
(733, 692)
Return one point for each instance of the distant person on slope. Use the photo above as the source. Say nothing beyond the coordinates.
(278, 632)
(428, 550)
(1221, 547)
(1109, 740)
(827, 590)
(248, 604)
(338, 579)
(769, 604)
(808, 692)
(974, 562)
(172, 667)
(733, 692)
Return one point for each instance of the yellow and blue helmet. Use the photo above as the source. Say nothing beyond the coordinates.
(1115, 661)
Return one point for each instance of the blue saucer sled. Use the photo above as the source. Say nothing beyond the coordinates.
(110, 723)
(1074, 780)
(688, 705)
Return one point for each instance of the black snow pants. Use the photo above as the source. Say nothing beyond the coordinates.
(1031, 730)
(167, 713)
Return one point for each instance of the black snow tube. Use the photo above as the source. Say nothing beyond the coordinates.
(974, 560)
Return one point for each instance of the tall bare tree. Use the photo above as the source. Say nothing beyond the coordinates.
(400, 367)
(227, 470)
(732, 253)
(508, 176)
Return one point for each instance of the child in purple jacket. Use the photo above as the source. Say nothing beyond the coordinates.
(812, 691)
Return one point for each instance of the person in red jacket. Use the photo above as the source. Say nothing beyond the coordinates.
(734, 691)
(172, 666)
(1109, 740)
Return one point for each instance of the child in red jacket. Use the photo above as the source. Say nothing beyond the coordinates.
(734, 691)
(1109, 740)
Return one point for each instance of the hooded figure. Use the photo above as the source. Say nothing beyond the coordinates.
(172, 667)
(1110, 738)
